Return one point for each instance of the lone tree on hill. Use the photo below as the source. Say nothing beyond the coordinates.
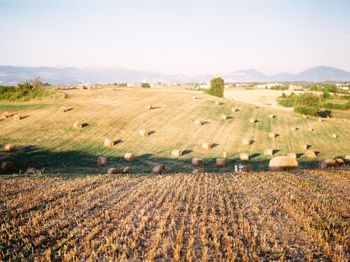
(216, 87)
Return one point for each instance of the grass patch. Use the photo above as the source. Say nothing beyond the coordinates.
(17, 107)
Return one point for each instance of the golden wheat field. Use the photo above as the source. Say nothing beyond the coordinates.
(266, 216)
(45, 137)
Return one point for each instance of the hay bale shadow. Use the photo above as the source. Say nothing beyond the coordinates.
(24, 117)
(187, 152)
(214, 145)
(151, 132)
(117, 141)
(255, 155)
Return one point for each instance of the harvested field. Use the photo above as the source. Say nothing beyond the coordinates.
(258, 216)
(47, 138)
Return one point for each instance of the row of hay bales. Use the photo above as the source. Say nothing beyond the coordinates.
(15, 116)
(276, 163)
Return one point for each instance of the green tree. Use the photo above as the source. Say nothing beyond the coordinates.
(216, 87)
(307, 104)
(145, 85)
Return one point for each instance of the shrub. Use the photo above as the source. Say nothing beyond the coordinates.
(307, 104)
(306, 110)
(279, 87)
(145, 85)
(329, 105)
(287, 101)
(216, 87)
(27, 91)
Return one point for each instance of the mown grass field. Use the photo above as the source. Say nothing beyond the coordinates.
(300, 216)
(46, 137)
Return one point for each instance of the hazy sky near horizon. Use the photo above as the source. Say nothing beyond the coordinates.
(179, 36)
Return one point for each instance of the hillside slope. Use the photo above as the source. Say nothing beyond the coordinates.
(46, 137)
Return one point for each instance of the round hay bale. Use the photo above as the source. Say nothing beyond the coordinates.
(245, 168)
(7, 167)
(198, 171)
(347, 160)
(10, 148)
(176, 153)
(220, 162)
(102, 161)
(194, 97)
(224, 117)
(218, 103)
(310, 154)
(78, 125)
(224, 155)
(292, 155)
(235, 109)
(158, 169)
(247, 142)
(272, 116)
(272, 135)
(198, 122)
(197, 162)
(327, 163)
(6, 114)
(244, 156)
(108, 142)
(31, 171)
(305, 116)
(128, 170)
(334, 135)
(206, 146)
(149, 107)
(305, 147)
(17, 117)
(268, 152)
(282, 163)
(320, 119)
(143, 132)
(311, 129)
(115, 170)
(294, 128)
(253, 120)
(129, 156)
(63, 109)
(339, 162)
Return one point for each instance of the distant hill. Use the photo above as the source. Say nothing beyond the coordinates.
(323, 73)
(71, 75)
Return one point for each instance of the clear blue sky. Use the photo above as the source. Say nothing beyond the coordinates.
(179, 36)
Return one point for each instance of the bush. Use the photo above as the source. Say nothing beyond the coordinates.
(307, 99)
(279, 87)
(306, 110)
(145, 85)
(216, 87)
(329, 105)
(287, 101)
(306, 103)
(26, 91)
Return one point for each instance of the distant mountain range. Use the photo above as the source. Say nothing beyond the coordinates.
(71, 75)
